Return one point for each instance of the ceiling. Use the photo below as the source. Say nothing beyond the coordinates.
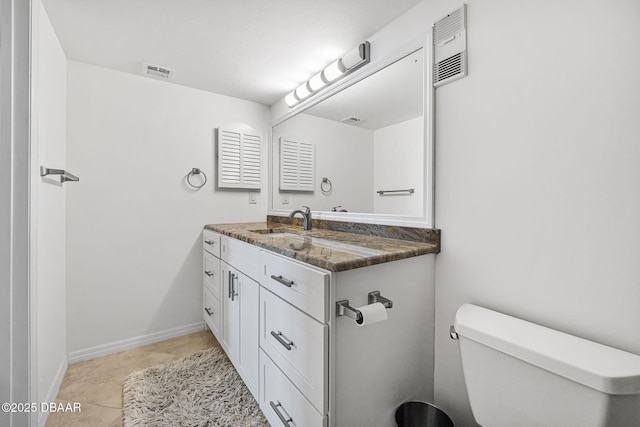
(257, 50)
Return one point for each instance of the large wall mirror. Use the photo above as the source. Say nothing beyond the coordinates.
(362, 154)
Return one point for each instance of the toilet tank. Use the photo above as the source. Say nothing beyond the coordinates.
(521, 374)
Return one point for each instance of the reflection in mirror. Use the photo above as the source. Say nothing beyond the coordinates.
(337, 155)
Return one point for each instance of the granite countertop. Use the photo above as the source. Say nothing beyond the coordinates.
(327, 249)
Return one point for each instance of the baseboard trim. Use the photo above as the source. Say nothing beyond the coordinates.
(129, 343)
(53, 390)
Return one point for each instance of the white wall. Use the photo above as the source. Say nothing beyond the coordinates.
(398, 159)
(344, 154)
(538, 165)
(49, 144)
(133, 228)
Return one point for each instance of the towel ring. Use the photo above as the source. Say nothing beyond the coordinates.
(196, 171)
(326, 186)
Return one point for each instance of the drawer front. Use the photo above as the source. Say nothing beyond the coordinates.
(211, 274)
(212, 313)
(281, 402)
(297, 344)
(211, 242)
(242, 256)
(304, 287)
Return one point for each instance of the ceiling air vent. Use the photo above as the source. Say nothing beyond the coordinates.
(351, 120)
(450, 47)
(157, 71)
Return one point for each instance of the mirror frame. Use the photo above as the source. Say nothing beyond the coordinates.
(427, 219)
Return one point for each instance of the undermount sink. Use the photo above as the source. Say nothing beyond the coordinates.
(328, 244)
(276, 232)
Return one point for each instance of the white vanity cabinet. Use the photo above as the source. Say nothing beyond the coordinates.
(305, 364)
(318, 369)
(231, 294)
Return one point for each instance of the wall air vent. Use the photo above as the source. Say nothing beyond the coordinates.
(450, 47)
(157, 71)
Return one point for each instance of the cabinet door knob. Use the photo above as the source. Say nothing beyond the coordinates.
(286, 342)
(208, 273)
(275, 407)
(209, 311)
(286, 282)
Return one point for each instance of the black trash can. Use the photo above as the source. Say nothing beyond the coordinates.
(421, 414)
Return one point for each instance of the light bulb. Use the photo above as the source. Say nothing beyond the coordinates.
(333, 71)
(291, 99)
(302, 92)
(317, 82)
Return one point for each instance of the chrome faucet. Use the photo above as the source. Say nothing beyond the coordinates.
(306, 215)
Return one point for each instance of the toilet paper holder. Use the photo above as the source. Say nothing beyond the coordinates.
(344, 309)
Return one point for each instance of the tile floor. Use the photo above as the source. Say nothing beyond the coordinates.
(97, 384)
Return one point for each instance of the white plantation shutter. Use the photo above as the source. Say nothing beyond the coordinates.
(238, 157)
(297, 165)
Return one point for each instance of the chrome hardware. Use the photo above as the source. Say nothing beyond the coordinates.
(375, 297)
(286, 282)
(344, 309)
(326, 186)
(284, 420)
(232, 286)
(229, 283)
(452, 333)
(408, 190)
(209, 311)
(209, 242)
(286, 342)
(64, 175)
(209, 273)
(196, 171)
(306, 215)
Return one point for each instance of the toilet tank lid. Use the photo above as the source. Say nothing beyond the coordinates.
(595, 365)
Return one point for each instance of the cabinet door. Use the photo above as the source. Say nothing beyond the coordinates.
(230, 312)
(249, 335)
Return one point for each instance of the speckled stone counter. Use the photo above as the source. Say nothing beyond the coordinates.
(328, 249)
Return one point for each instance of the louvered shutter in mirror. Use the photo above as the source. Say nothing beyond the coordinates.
(297, 165)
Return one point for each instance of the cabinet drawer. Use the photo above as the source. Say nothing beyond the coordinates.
(302, 286)
(242, 256)
(281, 402)
(211, 273)
(212, 313)
(211, 242)
(297, 344)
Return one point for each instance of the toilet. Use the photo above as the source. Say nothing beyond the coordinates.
(521, 374)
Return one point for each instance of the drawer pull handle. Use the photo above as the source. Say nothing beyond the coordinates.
(210, 242)
(284, 420)
(286, 342)
(209, 273)
(209, 311)
(287, 283)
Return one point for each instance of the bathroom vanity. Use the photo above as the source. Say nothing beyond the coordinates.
(284, 302)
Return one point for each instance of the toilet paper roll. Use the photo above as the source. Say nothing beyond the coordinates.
(372, 313)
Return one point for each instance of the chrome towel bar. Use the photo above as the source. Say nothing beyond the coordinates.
(64, 175)
(408, 190)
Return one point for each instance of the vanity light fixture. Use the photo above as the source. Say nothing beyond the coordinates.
(353, 59)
